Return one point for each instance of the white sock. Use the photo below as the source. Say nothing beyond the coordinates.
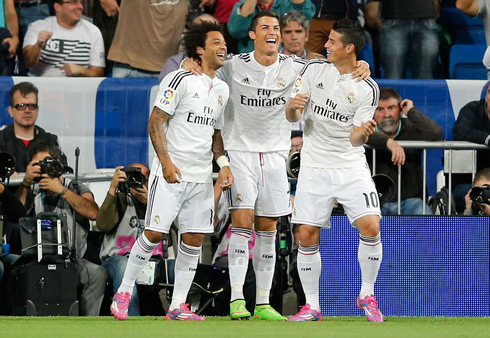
(264, 262)
(139, 256)
(238, 256)
(309, 268)
(185, 270)
(370, 254)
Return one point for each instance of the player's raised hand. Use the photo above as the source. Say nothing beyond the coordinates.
(226, 177)
(171, 173)
(299, 102)
(362, 71)
(368, 128)
(192, 66)
(397, 152)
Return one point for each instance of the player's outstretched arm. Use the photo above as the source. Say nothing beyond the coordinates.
(296, 106)
(360, 135)
(225, 175)
(157, 135)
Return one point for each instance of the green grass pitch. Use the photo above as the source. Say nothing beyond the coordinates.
(149, 327)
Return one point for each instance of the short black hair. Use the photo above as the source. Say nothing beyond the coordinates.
(386, 93)
(24, 88)
(482, 174)
(296, 133)
(261, 14)
(352, 33)
(196, 37)
(40, 145)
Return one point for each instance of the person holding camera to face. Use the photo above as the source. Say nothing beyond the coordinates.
(477, 199)
(122, 218)
(45, 190)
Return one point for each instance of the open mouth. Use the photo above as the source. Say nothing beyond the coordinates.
(221, 56)
(271, 42)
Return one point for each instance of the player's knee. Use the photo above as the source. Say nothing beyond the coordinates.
(193, 239)
(309, 235)
(242, 218)
(154, 236)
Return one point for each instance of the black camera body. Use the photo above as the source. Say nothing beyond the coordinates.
(135, 179)
(7, 165)
(480, 195)
(50, 166)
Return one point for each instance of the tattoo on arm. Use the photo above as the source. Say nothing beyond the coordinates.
(218, 147)
(157, 135)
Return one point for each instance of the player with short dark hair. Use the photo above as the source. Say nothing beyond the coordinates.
(184, 128)
(338, 114)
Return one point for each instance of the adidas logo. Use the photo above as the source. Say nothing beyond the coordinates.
(246, 80)
(319, 85)
(196, 96)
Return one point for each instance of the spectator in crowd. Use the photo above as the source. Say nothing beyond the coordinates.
(145, 41)
(222, 13)
(60, 195)
(9, 35)
(28, 11)
(408, 31)
(474, 8)
(16, 137)
(326, 13)
(122, 217)
(173, 62)
(106, 15)
(245, 10)
(65, 44)
(399, 120)
(472, 125)
(482, 180)
(294, 32)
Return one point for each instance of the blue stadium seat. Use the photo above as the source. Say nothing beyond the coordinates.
(463, 29)
(465, 62)
(366, 54)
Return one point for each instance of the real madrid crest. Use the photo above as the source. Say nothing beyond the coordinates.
(220, 101)
(156, 220)
(239, 198)
(281, 83)
(349, 98)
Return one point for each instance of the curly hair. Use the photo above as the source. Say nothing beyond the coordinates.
(196, 37)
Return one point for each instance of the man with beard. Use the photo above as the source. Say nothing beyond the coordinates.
(398, 119)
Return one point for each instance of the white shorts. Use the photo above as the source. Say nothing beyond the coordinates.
(319, 188)
(189, 205)
(261, 183)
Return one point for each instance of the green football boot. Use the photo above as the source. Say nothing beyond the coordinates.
(238, 311)
(266, 312)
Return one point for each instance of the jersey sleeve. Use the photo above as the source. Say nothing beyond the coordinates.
(368, 105)
(224, 73)
(302, 83)
(172, 89)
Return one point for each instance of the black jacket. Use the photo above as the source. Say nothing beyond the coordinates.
(17, 148)
(417, 127)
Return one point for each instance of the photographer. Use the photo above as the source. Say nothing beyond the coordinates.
(122, 218)
(53, 193)
(478, 200)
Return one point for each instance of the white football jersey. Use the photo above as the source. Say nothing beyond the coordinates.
(255, 119)
(336, 104)
(196, 105)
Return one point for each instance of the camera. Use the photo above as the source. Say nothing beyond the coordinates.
(480, 195)
(293, 164)
(50, 166)
(7, 165)
(135, 179)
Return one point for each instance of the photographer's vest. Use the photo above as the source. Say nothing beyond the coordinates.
(63, 208)
(120, 241)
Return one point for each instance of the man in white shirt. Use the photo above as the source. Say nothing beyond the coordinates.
(181, 181)
(65, 44)
(338, 118)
